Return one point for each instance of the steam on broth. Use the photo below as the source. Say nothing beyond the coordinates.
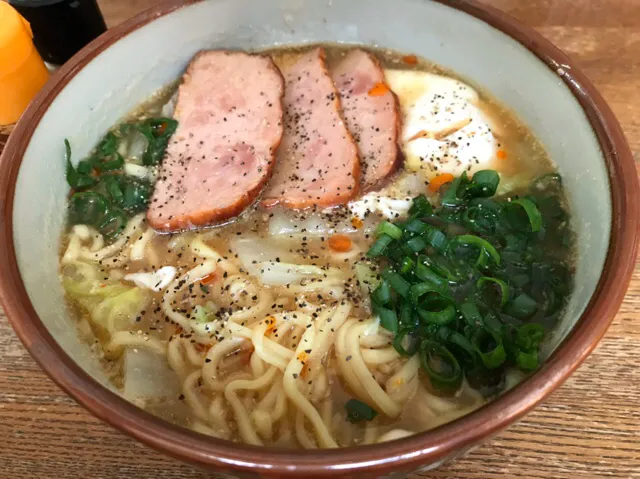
(402, 308)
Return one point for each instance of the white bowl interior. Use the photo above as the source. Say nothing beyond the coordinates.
(144, 61)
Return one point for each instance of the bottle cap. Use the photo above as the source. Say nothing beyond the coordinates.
(22, 71)
(61, 27)
(15, 39)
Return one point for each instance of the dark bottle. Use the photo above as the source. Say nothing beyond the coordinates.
(61, 27)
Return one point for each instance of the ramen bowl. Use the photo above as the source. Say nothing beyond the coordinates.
(132, 61)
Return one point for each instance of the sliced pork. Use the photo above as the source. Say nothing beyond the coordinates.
(230, 123)
(371, 112)
(318, 160)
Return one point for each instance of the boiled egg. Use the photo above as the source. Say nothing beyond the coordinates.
(444, 128)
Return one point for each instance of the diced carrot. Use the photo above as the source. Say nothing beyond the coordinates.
(438, 181)
(303, 357)
(208, 279)
(501, 154)
(340, 243)
(410, 59)
(379, 89)
(356, 222)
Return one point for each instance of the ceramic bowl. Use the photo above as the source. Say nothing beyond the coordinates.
(132, 61)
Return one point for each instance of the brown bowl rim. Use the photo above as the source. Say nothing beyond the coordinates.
(405, 454)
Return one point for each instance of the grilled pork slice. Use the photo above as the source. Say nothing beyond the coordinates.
(230, 123)
(370, 110)
(318, 160)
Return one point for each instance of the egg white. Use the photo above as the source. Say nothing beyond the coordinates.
(444, 129)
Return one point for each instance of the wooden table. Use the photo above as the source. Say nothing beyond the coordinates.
(589, 428)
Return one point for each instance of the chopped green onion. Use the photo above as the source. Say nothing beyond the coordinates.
(415, 245)
(483, 184)
(492, 323)
(442, 367)
(425, 273)
(397, 282)
(389, 229)
(529, 336)
(535, 218)
(439, 317)
(486, 248)
(454, 337)
(504, 289)
(378, 248)
(471, 314)
(437, 239)
(382, 294)
(406, 314)
(490, 348)
(420, 289)
(407, 265)
(450, 198)
(416, 226)
(462, 281)
(399, 339)
(388, 317)
(528, 361)
(522, 306)
(420, 207)
(358, 411)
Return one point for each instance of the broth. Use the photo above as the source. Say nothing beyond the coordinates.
(218, 343)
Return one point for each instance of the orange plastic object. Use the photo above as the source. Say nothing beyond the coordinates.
(22, 71)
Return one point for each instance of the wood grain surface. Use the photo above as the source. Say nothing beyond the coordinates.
(589, 428)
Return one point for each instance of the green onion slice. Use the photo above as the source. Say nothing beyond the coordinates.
(397, 282)
(521, 307)
(504, 289)
(486, 248)
(382, 294)
(532, 211)
(398, 340)
(358, 411)
(483, 184)
(442, 367)
(388, 317)
(528, 361)
(389, 229)
(378, 248)
(529, 336)
(420, 207)
(489, 345)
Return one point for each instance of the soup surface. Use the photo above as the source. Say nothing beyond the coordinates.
(411, 301)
